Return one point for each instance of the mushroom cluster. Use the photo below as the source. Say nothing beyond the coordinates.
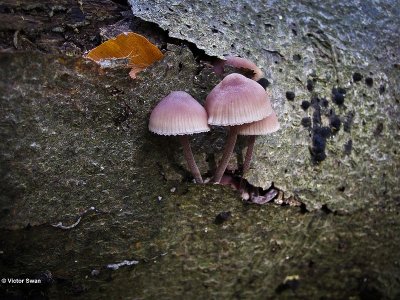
(237, 102)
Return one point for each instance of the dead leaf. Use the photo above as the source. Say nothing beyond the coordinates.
(126, 49)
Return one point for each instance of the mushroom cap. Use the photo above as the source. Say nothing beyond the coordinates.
(237, 100)
(178, 114)
(239, 62)
(265, 126)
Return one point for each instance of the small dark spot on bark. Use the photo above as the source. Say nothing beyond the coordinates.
(306, 121)
(338, 98)
(305, 105)
(378, 129)
(369, 81)
(382, 89)
(324, 131)
(357, 77)
(311, 264)
(325, 102)
(317, 149)
(222, 217)
(264, 82)
(303, 208)
(342, 245)
(297, 57)
(310, 85)
(315, 102)
(290, 95)
(317, 116)
(326, 209)
(341, 188)
(348, 121)
(348, 147)
(335, 123)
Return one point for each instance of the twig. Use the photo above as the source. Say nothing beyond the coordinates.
(66, 227)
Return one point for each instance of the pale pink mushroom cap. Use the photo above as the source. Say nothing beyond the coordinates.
(237, 100)
(265, 126)
(239, 62)
(178, 114)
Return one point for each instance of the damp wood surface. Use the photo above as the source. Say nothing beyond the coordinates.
(85, 186)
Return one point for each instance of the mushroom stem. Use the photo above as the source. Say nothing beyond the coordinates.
(229, 146)
(249, 153)
(187, 152)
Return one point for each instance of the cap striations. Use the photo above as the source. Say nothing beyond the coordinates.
(178, 114)
(237, 100)
(265, 126)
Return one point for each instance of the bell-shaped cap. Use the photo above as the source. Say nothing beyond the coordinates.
(265, 126)
(237, 100)
(178, 114)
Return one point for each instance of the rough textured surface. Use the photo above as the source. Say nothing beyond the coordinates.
(311, 49)
(248, 256)
(73, 137)
(63, 26)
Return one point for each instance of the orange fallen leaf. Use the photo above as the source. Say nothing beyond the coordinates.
(127, 49)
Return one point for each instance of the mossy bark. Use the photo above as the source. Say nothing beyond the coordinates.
(73, 137)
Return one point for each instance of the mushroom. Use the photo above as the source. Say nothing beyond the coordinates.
(238, 62)
(236, 100)
(265, 126)
(180, 114)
